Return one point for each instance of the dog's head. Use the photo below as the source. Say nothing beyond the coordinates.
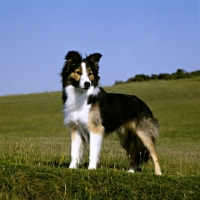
(81, 73)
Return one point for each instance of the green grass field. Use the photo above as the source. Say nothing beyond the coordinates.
(35, 147)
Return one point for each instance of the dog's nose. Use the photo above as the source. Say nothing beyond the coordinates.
(87, 84)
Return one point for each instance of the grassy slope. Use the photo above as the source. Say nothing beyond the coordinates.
(34, 148)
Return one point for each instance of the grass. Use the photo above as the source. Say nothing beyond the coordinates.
(35, 146)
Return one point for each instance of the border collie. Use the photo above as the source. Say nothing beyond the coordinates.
(90, 113)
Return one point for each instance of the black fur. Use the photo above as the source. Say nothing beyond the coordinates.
(117, 109)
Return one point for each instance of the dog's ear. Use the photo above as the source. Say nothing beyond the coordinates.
(94, 58)
(72, 57)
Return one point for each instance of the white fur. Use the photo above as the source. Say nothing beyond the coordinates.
(76, 108)
(76, 111)
(95, 148)
(84, 77)
(131, 170)
(78, 146)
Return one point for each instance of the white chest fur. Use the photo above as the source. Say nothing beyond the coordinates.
(76, 107)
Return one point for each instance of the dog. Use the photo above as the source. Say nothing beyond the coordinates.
(90, 113)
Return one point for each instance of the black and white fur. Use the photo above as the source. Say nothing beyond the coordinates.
(90, 113)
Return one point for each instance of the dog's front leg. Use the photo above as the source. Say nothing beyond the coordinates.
(78, 146)
(95, 148)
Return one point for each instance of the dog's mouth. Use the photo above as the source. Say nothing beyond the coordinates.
(86, 86)
(83, 88)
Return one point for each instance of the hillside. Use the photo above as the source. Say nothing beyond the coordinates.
(35, 146)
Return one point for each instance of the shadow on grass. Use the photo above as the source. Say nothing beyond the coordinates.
(57, 164)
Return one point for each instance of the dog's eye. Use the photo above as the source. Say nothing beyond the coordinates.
(78, 72)
(90, 73)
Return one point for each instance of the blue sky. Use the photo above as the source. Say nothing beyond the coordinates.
(134, 37)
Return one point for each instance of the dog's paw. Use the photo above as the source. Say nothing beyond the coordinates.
(131, 170)
(158, 173)
(73, 166)
(92, 166)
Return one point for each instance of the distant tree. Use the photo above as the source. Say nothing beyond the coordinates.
(154, 76)
(142, 77)
(130, 79)
(139, 78)
(195, 73)
(180, 73)
(164, 76)
(118, 82)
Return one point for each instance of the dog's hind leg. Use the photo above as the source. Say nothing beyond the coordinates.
(130, 142)
(137, 153)
(149, 144)
(132, 153)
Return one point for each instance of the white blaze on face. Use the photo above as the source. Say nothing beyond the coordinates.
(84, 81)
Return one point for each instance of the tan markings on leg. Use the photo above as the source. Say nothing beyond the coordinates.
(149, 126)
(73, 135)
(122, 134)
(95, 121)
(73, 130)
(128, 126)
(149, 144)
(131, 143)
(123, 131)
